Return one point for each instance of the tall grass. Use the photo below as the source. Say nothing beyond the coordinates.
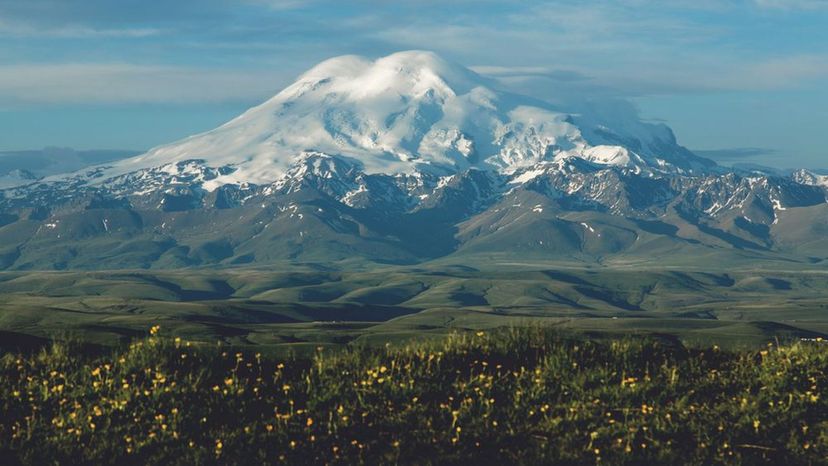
(521, 396)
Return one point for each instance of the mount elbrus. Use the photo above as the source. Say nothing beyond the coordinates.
(405, 159)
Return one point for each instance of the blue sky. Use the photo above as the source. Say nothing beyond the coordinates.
(744, 79)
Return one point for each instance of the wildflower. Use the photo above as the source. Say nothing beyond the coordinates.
(155, 329)
(756, 425)
(309, 422)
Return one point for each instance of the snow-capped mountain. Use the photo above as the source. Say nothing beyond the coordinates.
(402, 159)
(411, 112)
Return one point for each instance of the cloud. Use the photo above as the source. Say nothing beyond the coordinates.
(127, 83)
(625, 81)
(793, 4)
(531, 71)
(99, 12)
(615, 48)
(785, 71)
(133, 83)
(282, 4)
(9, 29)
(738, 153)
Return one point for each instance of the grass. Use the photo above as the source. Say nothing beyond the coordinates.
(520, 396)
(283, 308)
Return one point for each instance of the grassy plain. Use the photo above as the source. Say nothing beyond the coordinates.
(297, 308)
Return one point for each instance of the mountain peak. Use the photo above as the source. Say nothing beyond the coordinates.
(405, 61)
(405, 113)
(409, 74)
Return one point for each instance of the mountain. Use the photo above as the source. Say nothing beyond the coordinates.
(405, 159)
(408, 113)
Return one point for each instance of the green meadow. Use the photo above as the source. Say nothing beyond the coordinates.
(300, 307)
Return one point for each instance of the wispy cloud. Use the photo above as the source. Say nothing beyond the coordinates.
(784, 72)
(556, 74)
(737, 153)
(560, 84)
(126, 83)
(18, 29)
(793, 4)
(282, 4)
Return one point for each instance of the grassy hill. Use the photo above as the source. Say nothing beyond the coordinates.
(309, 305)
